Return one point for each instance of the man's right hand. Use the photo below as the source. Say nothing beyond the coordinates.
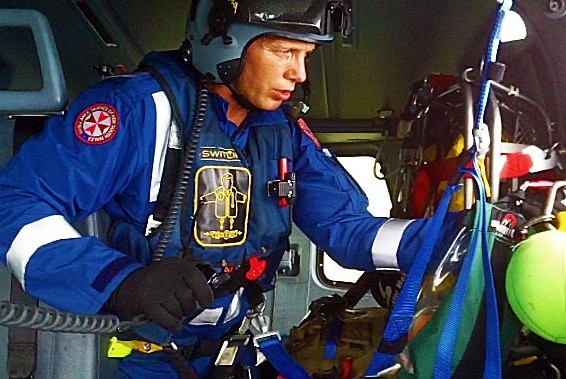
(165, 291)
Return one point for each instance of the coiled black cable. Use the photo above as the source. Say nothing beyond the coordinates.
(52, 320)
(184, 175)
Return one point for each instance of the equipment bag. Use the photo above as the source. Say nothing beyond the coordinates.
(335, 341)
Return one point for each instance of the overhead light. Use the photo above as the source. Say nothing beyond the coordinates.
(513, 27)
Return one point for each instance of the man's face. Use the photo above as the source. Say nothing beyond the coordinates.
(273, 67)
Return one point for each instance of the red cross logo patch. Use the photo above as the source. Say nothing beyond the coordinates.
(97, 124)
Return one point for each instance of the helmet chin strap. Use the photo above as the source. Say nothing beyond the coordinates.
(241, 99)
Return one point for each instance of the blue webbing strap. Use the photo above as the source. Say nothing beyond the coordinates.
(331, 346)
(395, 335)
(270, 345)
(493, 365)
(449, 334)
(491, 57)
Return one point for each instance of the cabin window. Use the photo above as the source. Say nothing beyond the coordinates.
(363, 169)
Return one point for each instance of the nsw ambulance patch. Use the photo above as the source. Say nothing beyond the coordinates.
(97, 124)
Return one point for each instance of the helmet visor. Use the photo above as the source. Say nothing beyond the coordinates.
(320, 18)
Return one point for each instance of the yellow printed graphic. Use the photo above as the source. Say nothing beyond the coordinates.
(224, 199)
(218, 154)
(221, 205)
(234, 4)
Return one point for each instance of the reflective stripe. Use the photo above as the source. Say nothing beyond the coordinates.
(207, 317)
(162, 129)
(386, 242)
(33, 236)
(235, 306)
(212, 316)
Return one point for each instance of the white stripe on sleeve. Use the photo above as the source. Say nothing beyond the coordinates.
(31, 237)
(386, 243)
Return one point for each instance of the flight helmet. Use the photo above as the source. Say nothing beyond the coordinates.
(219, 31)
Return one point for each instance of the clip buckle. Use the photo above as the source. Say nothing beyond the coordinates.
(265, 336)
(230, 348)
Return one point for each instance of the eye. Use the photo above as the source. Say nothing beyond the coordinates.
(285, 52)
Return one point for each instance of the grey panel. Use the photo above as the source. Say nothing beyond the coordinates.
(71, 356)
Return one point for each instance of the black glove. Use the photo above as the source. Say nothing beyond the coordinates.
(165, 291)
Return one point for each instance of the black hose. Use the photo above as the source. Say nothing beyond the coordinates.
(184, 175)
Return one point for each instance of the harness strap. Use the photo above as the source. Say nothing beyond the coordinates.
(360, 288)
(178, 361)
(271, 346)
(395, 334)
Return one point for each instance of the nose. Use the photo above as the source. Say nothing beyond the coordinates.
(297, 71)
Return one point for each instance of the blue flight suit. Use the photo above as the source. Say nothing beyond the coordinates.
(107, 152)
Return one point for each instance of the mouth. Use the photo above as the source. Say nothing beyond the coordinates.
(283, 95)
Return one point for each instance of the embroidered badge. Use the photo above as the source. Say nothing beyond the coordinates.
(305, 128)
(222, 202)
(97, 124)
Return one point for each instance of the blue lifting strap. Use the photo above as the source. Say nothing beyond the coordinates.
(395, 335)
(270, 345)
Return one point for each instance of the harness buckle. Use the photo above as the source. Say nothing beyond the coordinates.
(230, 348)
(261, 338)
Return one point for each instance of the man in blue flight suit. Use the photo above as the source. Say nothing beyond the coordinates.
(194, 256)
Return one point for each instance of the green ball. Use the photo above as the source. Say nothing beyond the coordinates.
(535, 283)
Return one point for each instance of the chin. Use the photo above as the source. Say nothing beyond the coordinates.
(270, 105)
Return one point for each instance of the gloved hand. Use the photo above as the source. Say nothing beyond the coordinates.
(165, 291)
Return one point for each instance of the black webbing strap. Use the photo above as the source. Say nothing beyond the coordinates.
(360, 288)
(332, 305)
(22, 343)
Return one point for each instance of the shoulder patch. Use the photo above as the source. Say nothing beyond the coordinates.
(97, 124)
(308, 132)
